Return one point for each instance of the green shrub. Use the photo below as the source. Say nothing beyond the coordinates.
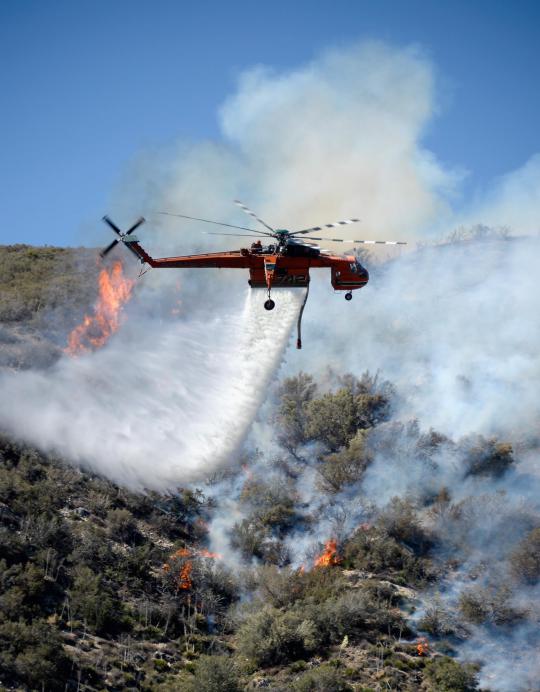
(93, 603)
(334, 418)
(34, 655)
(373, 550)
(294, 393)
(346, 466)
(271, 637)
(215, 674)
(122, 526)
(272, 505)
(443, 674)
(478, 605)
(322, 679)
(285, 587)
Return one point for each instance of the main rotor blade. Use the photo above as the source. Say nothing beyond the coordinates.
(135, 225)
(360, 242)
(248, 211)
(235, 235)
(108, 248)
(112, 225)
(216, 223)
(335, 224)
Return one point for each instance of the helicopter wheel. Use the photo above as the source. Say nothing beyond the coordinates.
(348, 296)
(269, 304)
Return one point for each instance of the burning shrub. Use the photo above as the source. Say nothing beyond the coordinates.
(525, 560)
(94, 331)
(443, 674)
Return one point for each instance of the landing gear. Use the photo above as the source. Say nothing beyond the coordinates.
(348, 296)
(269, 304)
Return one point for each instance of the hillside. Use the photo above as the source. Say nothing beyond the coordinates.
(96, 595)
(106, 589)
(44, 292)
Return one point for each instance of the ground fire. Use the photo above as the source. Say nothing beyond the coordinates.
(95, 330)
(184, 581)
(422, 647)
(329, 556)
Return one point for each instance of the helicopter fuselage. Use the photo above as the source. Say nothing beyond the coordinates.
(272, 266)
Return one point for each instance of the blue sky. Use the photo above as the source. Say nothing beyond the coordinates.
(86, 86)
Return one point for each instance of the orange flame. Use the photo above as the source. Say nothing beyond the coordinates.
(184, 576)
(422, 647)
(94, 331)
(329, 556)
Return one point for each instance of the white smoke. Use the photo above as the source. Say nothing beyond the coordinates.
(157, 408)
(454, 327)
(338, 137)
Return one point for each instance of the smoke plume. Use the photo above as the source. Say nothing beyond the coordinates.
(338, 137)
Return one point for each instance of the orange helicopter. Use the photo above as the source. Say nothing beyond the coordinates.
(284, 261)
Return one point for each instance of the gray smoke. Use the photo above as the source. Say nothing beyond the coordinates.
(340, 136)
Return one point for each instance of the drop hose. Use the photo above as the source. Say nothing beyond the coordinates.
(299, 323)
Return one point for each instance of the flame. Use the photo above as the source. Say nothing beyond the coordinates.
(329, 556)
(422, 647)
(94, 331)
(184, 576)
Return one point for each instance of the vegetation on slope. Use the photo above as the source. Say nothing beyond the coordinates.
(43, 293)
(102, 588)
(105, 589)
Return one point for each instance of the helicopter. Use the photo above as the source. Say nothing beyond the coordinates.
(284, 260)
